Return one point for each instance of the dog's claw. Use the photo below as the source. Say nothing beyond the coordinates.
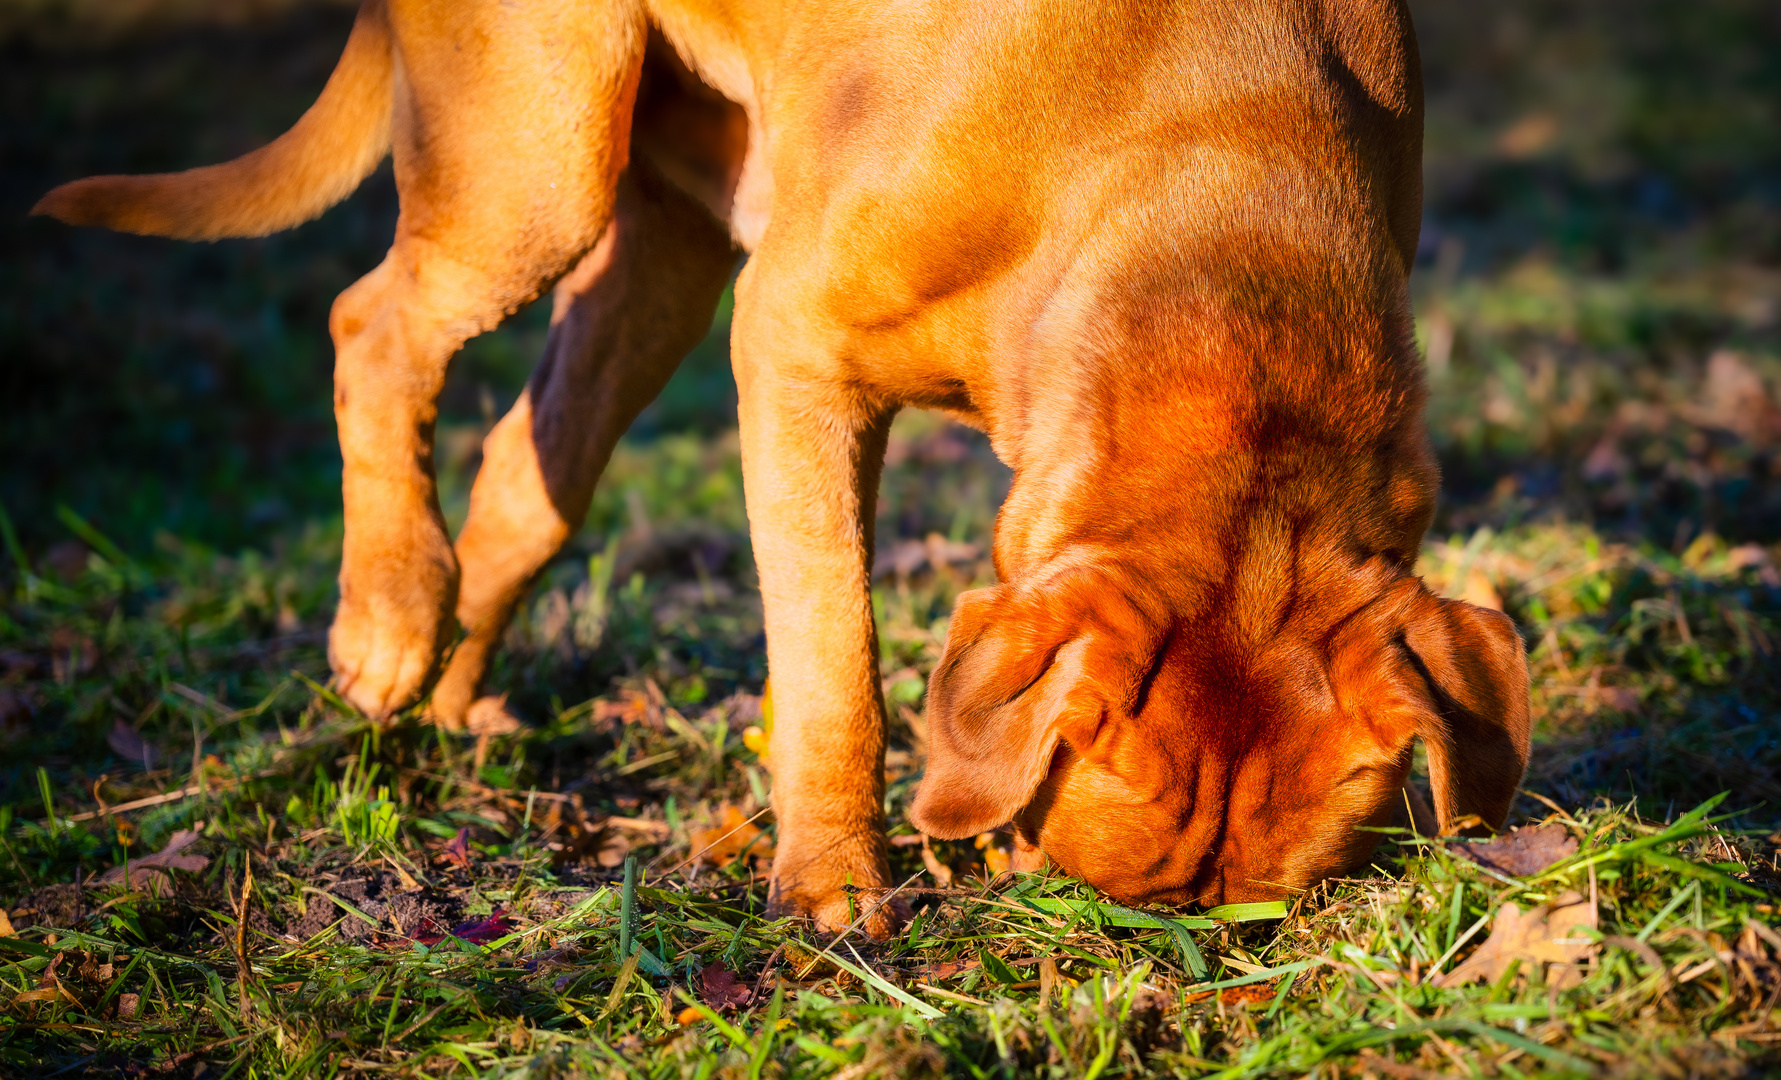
(379, 668)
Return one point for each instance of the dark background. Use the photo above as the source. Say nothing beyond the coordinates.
(1628, 151)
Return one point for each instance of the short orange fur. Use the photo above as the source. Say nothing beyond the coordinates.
(1159, 252)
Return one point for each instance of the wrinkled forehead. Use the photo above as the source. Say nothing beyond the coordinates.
(1210, 695)
(1218, 727)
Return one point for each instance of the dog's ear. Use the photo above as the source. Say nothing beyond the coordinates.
(1477, 740)
(1023, 671)
(1454, 675)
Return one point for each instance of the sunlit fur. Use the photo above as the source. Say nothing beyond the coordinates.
(1157, 251)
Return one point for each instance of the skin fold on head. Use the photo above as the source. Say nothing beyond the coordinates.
(1165, 757)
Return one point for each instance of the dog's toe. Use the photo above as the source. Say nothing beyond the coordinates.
(489, 716)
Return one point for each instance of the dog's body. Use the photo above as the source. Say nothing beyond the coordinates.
(1159, 253)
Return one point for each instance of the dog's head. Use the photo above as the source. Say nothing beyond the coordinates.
(1203, 759)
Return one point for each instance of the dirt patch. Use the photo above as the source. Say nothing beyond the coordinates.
(60, 906)
(400, 911)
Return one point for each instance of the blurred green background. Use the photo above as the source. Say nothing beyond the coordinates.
(1602, 221)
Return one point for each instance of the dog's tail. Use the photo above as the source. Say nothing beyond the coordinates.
(309, 168)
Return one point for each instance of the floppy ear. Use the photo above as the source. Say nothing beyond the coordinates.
(1477, 730)
(1023, 671)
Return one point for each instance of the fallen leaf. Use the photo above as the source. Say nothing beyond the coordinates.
(484, 930)
(613, 849)
(636, 707)
(126, 1006)
(1521, 852)
(759, 737)
(127, 743)
(720, 989)
(149, 873)
(1250, 994)
(1253, 994)
(6, 929)
(476, 931)
(946, 969)
(457, 849)
(1547, 934)
(725, 840)
(49, 986)
(905, 557)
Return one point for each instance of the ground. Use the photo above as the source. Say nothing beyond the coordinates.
(1599, 300)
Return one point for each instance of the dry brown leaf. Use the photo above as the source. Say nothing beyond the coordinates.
(1246, 995)
(728, 837)
(612, 850)
(805, 964)
(149, 873)
(1546, 934)
(6, 929)
(1521, 852)
(947, 969)
(635, 707)
(49, 984)
(457, 849)
(720, 989)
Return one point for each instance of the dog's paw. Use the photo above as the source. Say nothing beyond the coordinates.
(454, 696)
(877, 917)
(386, 641)
(378, 671)
(838, 893)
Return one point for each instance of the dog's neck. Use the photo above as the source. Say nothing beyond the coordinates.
(1194, 449)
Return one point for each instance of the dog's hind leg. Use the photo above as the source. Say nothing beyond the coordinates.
(624, 318)
(510, 127)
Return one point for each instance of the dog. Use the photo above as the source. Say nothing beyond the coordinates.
(1158, 252)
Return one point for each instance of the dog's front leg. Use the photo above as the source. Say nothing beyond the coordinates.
(812, 449)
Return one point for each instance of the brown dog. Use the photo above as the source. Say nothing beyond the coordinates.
(1157, 251)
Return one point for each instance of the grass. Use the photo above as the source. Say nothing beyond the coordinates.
(1654, 683)
(1599, 305)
